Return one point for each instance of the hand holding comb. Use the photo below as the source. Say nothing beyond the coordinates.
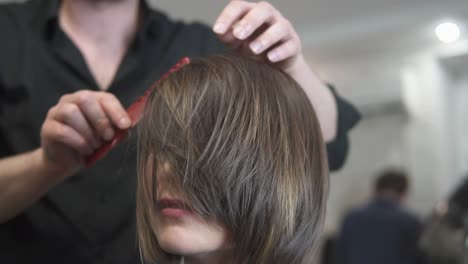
(135, 111)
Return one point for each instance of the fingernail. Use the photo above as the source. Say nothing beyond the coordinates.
(108, 134)
(256, 47)
(124, 122)
(241, 32)
(273, 56)
(219, 28)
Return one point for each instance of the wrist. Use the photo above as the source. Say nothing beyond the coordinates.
(47, 168)
(301, 71)
(296, 65)
(319, 94)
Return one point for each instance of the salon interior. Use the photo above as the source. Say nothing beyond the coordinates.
(404, 65)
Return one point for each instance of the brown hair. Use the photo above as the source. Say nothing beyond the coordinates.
(392, 179)
(246, 149)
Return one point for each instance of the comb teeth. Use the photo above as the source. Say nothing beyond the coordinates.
(135, 111)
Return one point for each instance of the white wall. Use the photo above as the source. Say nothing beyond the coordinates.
(375, 144)
(460, 100)
(426, 136)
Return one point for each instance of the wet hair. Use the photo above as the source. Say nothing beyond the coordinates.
(245, 148)
(394, 180)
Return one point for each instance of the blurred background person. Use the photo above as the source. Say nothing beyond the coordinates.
(382, 231)
(445, 237)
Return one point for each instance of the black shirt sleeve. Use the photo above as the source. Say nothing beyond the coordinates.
(9, 54)
(348, 117)
(3, 146)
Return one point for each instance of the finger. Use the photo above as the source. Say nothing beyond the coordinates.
(262, 13)
(228, 37)
(62, 133)
(115, 111)
(89, 105)
(230, 40)
(71, 115)
(234, 11)
(284, 51)
(277, 32)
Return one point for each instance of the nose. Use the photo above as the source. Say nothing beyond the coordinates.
(166, 182)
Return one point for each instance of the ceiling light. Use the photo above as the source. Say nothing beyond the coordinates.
(447, 32)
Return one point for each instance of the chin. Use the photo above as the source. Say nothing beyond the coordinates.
(176, 240)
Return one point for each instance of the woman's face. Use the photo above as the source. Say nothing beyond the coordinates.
(180, 231)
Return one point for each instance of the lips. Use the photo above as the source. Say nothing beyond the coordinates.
(173, 208)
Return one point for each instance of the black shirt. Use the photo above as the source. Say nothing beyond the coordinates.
(89, 218)
(379, 233)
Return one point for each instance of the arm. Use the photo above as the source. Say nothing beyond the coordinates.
(24, 178)
(319, 95)
(73, 128)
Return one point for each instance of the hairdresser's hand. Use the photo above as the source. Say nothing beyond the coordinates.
(260, 29)
(78, 125)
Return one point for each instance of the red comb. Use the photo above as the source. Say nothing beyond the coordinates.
(135, 111)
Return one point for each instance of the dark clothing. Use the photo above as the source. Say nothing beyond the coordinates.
(459, 197)
(380, 233)
(89, 218)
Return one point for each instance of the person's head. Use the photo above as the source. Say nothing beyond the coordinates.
(231, 159)
(392, 183)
